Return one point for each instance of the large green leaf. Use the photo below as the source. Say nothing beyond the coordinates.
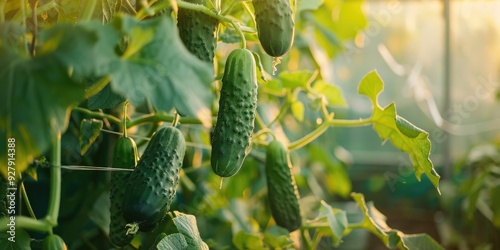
(89, 132)
(336, 22)
(86, 48)
(105, 99)
(186, 224)
(21, 241)
(337, 220)
(36, 99)
(399, 131)
(375, 222)
(277, 237)
(156, 65)
(38, 92)
(243, 240)
(332, 93)
(420, 241)
(174, 241)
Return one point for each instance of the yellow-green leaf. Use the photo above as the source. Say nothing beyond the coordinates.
(399, 131)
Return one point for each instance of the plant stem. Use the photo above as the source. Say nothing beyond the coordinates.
(97, 86)
(249, 12)
(100, 115)
(221, 18)
(130, 7)
(281, 113)
(26, 200)
(323, 127)
(55, 183)
(162, 117)
(309, 137)
(350, 123)
(88, 10)
(26, 223)
(125, 119)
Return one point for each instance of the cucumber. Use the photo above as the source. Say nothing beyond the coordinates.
(124, 156)
(151, 187)
(275, 25)
(235, 120)
(53, 242)
(282, 190)
(198, 32)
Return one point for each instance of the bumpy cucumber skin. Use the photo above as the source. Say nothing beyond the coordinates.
(235, 120)
(152, 186)
(275, 25)
(124, 156)
(282, 190)
(53, 242)
(198, 32)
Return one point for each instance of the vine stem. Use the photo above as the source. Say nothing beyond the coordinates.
(125, 119)
(26, 200)
(281, 113)
(162, 117)
(323, 127)
(100, 115)
(309, 137)
(55, 183)
(88, 10)
(207, 11)
(26, 223)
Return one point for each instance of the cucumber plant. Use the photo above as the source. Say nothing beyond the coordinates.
(88, 58)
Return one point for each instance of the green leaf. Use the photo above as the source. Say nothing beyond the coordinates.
(336, 22)
(304, 5)
(337, 220)
(157, 66)
(277, 237)
(296, 79)
(186, 224)
(21, 240)
(36, 98)
(105, 99)
(243, 240)
(298, 110)
(494, 194)
(375, 222)
(420, 241)
(332, 93)
(86, 48)
(407, 128)
(89, 132)
(400, 132)
(175, 241)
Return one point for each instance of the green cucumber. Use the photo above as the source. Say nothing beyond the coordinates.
(151, 187)
(124, 156)
(282, 190)
(275, 25)
(235, 120)
(198, 32)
